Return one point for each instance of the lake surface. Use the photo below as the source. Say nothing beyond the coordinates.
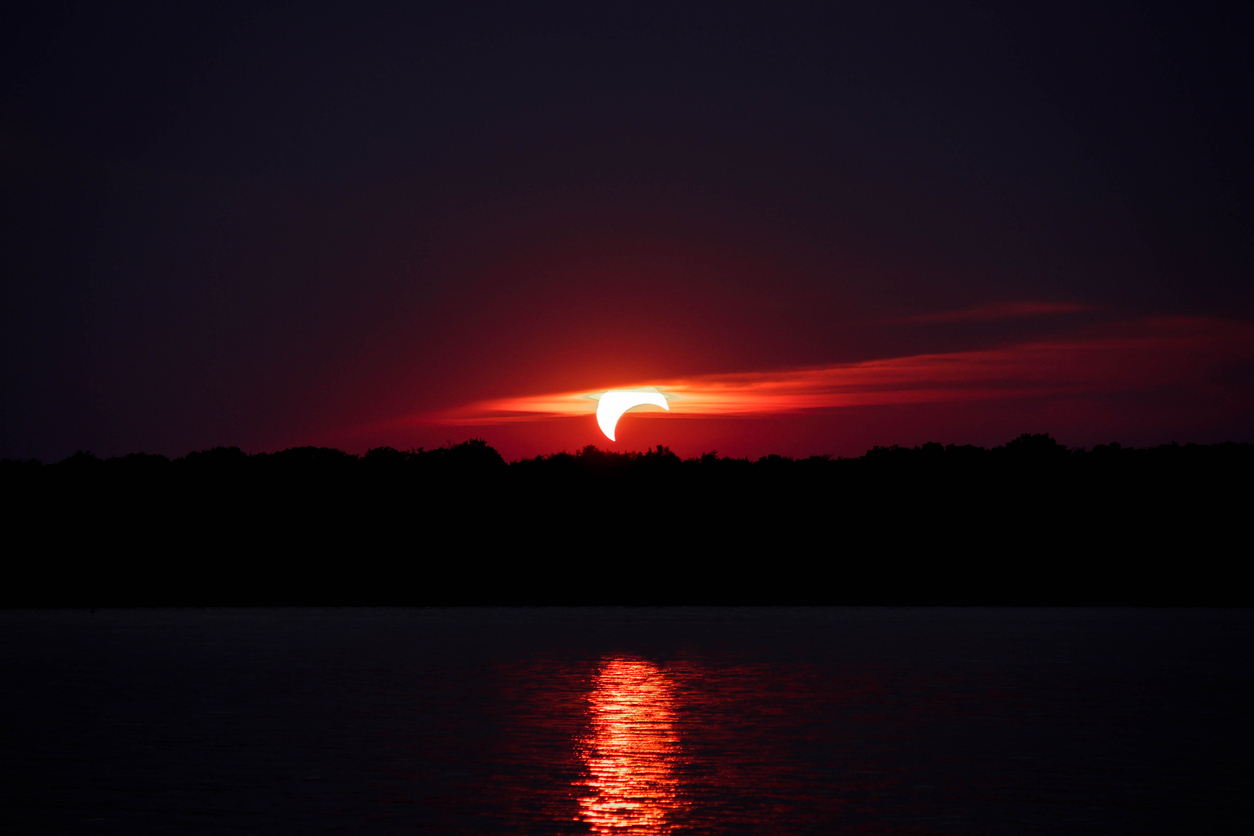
(640, 721)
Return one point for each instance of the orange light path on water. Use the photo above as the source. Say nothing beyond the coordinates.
(630, 754)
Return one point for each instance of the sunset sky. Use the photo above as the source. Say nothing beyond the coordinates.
(354, 225)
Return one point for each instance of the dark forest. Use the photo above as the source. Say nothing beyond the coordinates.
(1029, 522)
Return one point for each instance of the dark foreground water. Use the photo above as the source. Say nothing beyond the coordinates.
(626, 721)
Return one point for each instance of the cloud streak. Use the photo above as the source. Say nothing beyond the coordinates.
(1000, 311)
(1122, 358)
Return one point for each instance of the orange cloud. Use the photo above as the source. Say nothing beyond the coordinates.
(1127, 357)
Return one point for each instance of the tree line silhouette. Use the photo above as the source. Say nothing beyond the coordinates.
(1028, 522)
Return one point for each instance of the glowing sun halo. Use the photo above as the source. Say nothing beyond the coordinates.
(617, 401)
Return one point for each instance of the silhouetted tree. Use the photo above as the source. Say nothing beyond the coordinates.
(1027, 522)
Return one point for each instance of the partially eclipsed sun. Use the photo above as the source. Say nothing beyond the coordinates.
(617, 401)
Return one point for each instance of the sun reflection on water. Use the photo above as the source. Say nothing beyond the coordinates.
(631, 751)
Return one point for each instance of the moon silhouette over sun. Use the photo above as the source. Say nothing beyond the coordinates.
(617, 401)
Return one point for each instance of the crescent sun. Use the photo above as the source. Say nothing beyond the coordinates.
(617, 401)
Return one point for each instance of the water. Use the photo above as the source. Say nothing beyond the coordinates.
(635, 721)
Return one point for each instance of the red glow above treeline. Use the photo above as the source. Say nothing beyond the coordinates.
(1158, 353)
(1092, 381)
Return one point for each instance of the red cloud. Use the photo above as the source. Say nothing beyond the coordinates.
(1000, 310)
(1131, 358)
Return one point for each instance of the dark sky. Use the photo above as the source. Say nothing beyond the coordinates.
(270, 225)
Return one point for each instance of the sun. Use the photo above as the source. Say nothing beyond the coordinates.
(617, 401)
